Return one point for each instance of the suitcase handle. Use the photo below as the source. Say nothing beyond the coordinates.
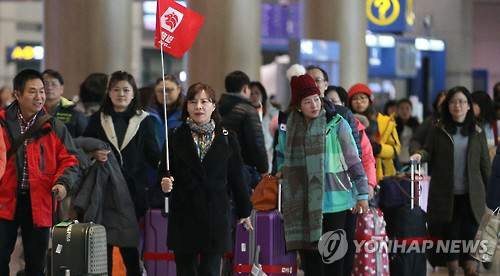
(414, 167)
(53, 195)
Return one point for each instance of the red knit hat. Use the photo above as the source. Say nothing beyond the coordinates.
(302, 86)
(359, 88)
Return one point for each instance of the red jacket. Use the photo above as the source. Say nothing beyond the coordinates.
(367, 159)
(51, 160)
(3, 155)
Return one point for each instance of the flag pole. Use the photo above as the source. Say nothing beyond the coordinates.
(166, 122)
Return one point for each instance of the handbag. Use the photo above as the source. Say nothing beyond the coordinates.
(487, 236)
(265, 196)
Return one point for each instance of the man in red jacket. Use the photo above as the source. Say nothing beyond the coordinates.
(44, 161)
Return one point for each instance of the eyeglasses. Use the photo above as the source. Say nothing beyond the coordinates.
(51, 84)
(459, 102)
(167, 90)
(318, 80)
(361, 98)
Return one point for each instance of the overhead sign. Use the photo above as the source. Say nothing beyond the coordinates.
(390, 16)
(24, 52)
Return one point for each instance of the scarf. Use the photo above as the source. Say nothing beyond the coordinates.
(303, 183)
(202, 136)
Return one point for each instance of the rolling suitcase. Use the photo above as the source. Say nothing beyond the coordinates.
(158, 260)
(370, 228)
(77, 248)
(409, 228)
(263, 249)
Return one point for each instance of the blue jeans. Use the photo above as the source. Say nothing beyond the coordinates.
(35, 239)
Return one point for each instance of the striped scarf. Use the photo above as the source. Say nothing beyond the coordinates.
(202, 136)
(303, 185)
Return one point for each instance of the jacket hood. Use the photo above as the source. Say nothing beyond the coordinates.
(228, 101)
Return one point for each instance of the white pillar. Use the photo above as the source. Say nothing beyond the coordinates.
(343, 21)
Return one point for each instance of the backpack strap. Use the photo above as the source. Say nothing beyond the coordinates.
(35, 127)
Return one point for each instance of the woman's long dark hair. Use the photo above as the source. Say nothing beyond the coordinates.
(193, 90)
(134, 106)
(451, 126)
(483, 100)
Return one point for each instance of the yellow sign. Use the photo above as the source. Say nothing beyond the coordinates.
(27, 53)
(383, 6)
(410, 14)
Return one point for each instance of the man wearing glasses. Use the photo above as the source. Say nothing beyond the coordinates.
(60, 107)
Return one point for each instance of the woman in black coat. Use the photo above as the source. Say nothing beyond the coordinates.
(129, 131)
(205, 163)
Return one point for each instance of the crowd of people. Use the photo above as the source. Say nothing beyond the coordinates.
(330, 146)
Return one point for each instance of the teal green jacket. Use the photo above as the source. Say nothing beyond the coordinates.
(345, 180)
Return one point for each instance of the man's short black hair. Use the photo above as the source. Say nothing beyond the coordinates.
(235, 81)
(22, 77)
(312, 67)
(55, 75)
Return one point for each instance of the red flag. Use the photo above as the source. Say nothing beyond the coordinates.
(176, 27)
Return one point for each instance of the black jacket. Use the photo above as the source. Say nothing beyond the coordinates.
(104, 198)
(493, 187)
(239, 116)
(136, 153)
(199, 218)
(73, 119)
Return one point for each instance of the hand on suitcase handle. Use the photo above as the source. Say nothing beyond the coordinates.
(416, 157)
(361, 207)
(246, 221)
(59, 192)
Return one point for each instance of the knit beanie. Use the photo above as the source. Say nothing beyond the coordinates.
(359, 88)
(302, 86)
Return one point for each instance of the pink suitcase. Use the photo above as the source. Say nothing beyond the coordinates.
(371, 227)
(158, 260)
(268, 238)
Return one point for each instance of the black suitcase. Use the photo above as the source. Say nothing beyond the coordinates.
(410, 224)
(77, 248)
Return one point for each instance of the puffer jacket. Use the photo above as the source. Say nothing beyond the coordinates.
(367, 159)
(390, 146)
(52, 160)
(239, 116)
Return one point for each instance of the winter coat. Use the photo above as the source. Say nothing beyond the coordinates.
(73, 119)
(138, 149)
(3, 154)
(241, 117)
(439, 149)
(367, 159)
(389, 146)
(342, 164)
(103, 196)
(200, 212)
(173, 121)
(52, 160)
(493, 187)
(347, 114)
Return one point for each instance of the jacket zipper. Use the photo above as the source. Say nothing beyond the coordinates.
(449, 136)
(41, 165)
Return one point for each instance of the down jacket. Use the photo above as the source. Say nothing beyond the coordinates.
(239, 116)
(103, 196)
(390, 146)
(52, 160)
(367, 159)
